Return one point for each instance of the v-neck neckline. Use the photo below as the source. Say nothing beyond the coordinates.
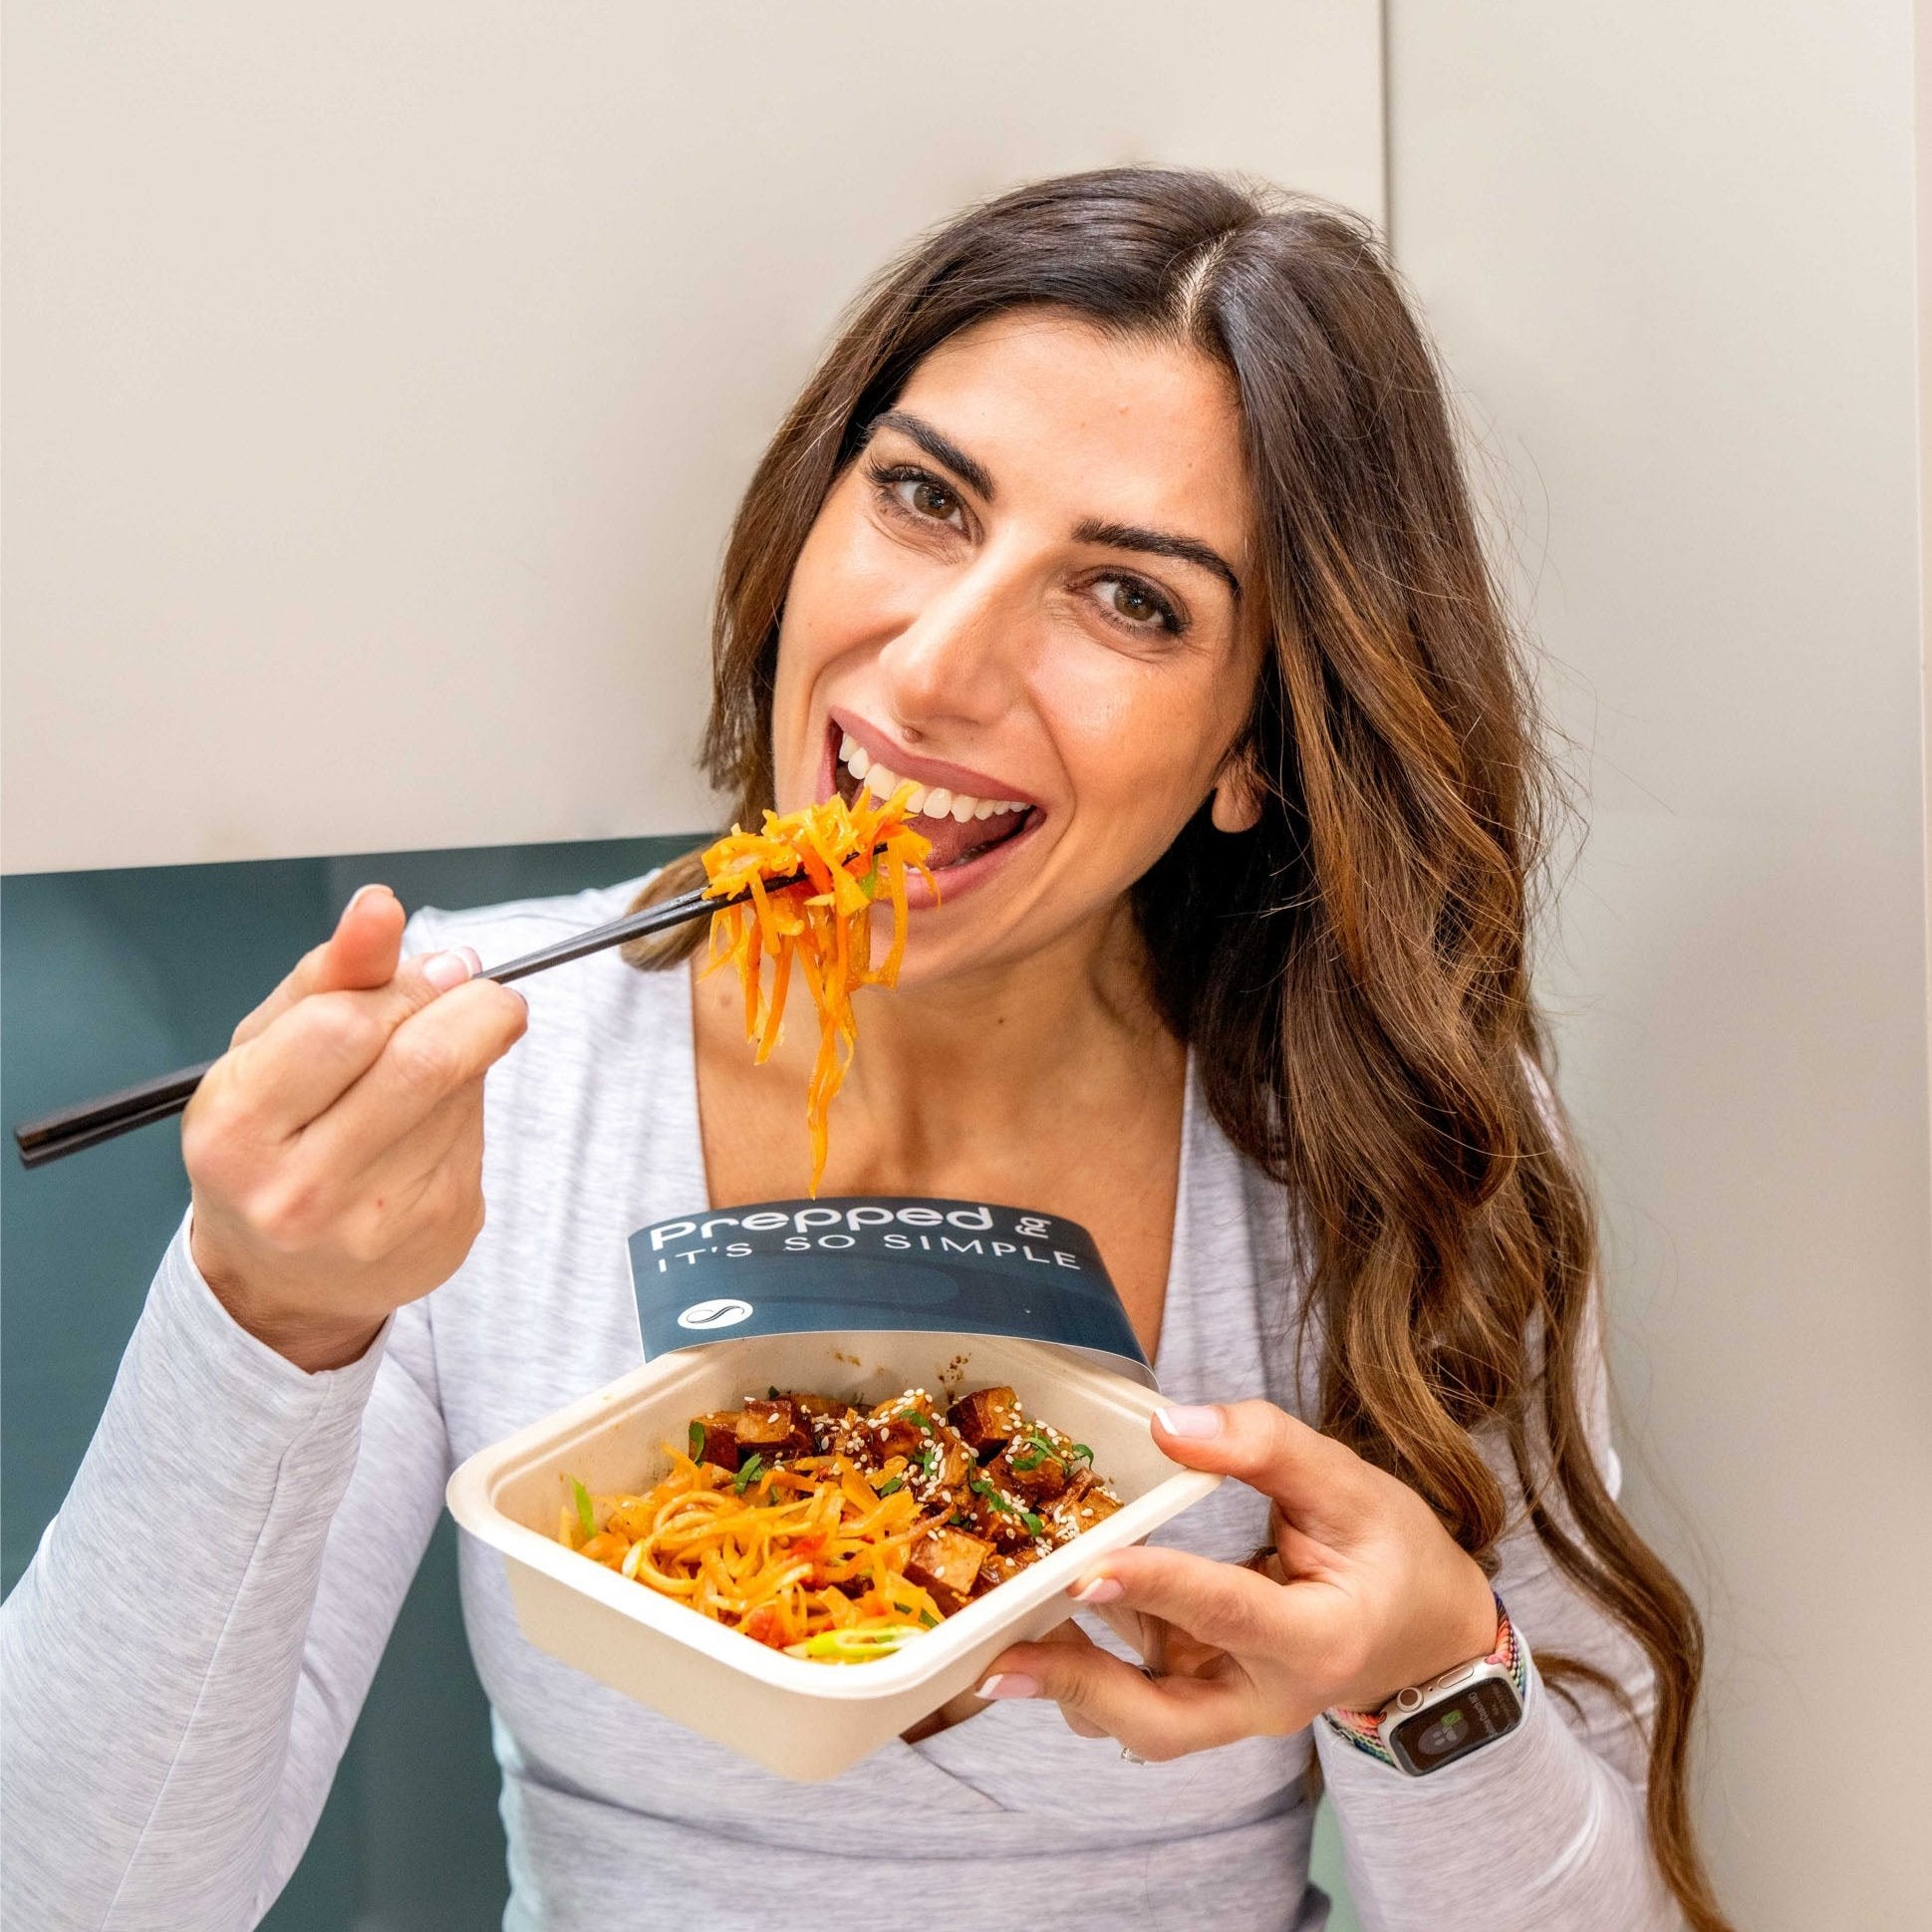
(691, 1127)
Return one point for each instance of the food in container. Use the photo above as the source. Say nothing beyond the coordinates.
(791, 1713)
(837, 1531)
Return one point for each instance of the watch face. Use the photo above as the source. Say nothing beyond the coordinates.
(1457, 1726)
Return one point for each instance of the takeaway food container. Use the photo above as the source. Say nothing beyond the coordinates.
(799, 1719)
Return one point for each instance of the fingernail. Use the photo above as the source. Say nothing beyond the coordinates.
(474, 957)
(446, 969)
(1098, 1589)
(1196, 1424)
(1009, 1683)
(361, 892)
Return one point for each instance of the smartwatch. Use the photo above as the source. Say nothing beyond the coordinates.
(1428, 1726)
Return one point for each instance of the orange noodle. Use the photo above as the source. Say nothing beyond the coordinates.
(808, 1556)
(848, 855)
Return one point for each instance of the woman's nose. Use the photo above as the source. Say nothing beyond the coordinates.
(953, 663)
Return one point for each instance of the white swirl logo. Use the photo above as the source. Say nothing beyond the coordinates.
(720, 1314)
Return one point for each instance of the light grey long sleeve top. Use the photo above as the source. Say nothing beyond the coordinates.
(187, 1653)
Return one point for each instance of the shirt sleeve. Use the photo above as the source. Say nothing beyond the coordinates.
(186, 1654)
(1545, 1831)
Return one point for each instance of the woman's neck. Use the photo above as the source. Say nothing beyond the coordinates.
(956, 1077)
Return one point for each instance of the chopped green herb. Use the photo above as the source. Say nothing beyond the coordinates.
(897, 1482)
(1026, 1465)
(585, 1514)
(771, 1393)
(696, 1440)
(981, 1487)
(747, 1472)
(927, 1618)
(1035, 1526)
(929, 1457)
(1083, 1452)
(915, 1419)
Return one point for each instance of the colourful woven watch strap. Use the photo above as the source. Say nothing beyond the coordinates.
(1363, 1728)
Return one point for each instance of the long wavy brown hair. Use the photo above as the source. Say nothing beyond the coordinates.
(1350, 974)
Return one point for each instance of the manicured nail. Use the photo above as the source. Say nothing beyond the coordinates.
(361, 892)
(1098, 1589)
(446, 969)
(1009, 1683)
(1197, 1424)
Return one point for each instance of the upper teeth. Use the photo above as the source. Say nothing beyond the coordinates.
(925, 801)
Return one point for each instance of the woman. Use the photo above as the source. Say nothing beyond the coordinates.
(1126, 508)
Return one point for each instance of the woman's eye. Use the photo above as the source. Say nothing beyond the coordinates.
(929, 500)
(1137, 605)
(923, 497)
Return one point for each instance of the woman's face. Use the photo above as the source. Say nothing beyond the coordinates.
(1032, 594)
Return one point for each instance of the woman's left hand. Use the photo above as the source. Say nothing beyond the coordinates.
(1366, 1593)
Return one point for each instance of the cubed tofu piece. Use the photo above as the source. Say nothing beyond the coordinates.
(1077, 1511)
(1028, 1470)
(902, 1426)
(715, 1439)
(999, 1520)
(953, 1462)
(1002, 1565)
(947, 1562)
(914, 1399)
(815, 1407)
(987, 1418)
(772, 1428)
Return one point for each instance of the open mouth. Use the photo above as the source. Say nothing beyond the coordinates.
(961, 825)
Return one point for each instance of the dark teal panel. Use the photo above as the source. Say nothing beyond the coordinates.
(108, 977)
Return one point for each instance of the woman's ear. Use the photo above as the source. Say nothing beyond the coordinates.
(1237, 804)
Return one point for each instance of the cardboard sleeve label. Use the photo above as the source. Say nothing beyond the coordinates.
(880, 1263)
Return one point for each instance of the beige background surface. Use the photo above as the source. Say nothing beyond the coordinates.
(380, 379)
(1668, 249)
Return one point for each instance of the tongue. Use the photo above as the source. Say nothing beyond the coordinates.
(953, 841)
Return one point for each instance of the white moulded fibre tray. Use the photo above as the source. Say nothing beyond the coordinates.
(802, 1720)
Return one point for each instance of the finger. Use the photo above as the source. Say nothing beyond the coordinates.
(289, 1075)
(362, 952)
(437, 1052)
(426, 1192)
(1061, 1633)
(1312, 1480)
(1155, 1718)
(1221, 1605)
(1148, 1636)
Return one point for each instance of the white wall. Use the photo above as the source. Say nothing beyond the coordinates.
(381, 378)
(1668, 249)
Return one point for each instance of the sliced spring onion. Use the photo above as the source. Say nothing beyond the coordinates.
(854, 1646)
(585, 1514)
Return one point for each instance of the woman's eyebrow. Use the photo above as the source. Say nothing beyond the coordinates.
(1160, 543)
(943, 449)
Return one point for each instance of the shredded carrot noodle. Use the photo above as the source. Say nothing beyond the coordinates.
(807, 1556)
(821, 923)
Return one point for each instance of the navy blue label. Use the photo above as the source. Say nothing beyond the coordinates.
(882, 1263)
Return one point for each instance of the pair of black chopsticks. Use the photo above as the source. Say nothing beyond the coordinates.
(94, 1121)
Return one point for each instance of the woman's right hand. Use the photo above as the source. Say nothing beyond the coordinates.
(336, 1149)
